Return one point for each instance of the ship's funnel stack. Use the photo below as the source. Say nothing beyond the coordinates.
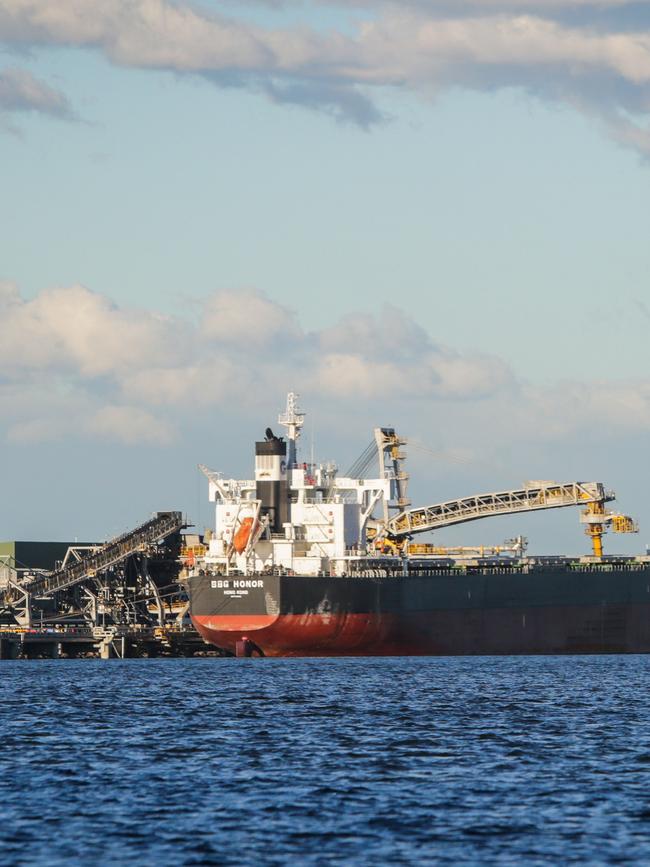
(271, 485)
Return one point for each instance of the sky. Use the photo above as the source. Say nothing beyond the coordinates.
(427, 214)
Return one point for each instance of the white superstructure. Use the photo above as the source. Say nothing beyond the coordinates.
(329, 516)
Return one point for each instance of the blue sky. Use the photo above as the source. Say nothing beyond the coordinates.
(457, 244)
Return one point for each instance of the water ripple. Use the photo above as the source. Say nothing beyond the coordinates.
(397, 761)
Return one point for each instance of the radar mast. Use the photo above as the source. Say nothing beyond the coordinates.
(293, 419)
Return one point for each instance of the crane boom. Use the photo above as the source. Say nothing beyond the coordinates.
(531, 497)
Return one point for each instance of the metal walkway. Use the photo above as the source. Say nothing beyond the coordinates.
(154, 530)
(539, 495)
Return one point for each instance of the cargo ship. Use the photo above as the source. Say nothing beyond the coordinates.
(306, 562)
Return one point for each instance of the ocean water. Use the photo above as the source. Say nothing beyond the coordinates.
(484, 760)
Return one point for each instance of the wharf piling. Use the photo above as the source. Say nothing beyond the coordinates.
(102, 643)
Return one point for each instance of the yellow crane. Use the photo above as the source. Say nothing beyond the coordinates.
(599, 519)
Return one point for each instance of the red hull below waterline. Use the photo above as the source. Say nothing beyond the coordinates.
(305, 635)
(505, 631)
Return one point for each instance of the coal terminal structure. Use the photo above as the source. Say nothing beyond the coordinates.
(118, 599)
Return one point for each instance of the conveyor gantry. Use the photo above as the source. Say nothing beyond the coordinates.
(537, 495)
(162, 525)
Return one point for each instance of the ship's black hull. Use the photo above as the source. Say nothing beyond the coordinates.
(544, 610)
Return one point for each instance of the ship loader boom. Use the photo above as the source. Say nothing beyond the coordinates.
(533, 496)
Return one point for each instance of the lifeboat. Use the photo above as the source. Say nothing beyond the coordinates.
(243, 534)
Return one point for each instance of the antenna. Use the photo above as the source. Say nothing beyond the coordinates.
(293, 419)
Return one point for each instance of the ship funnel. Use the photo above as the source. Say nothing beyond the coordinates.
(271, 485)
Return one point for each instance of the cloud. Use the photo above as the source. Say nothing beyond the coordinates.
(129, 425)
(574, 53)
(390, 333)
(64, 358)
(21, 92)
(567, 408)
(75, 365)
(245, 317)
(36, 430)
(447, 7)
(195, 389)
(390, 352)
(74, 329)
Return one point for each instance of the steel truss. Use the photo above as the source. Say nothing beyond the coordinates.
(533, 497)
(131, 579)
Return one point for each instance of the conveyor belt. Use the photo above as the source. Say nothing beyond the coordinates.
(111, 554)
(544, 495)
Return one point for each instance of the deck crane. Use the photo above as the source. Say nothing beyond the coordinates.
(395, 530)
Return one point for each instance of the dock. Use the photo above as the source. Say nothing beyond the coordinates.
(119, 642)
(119, 599)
